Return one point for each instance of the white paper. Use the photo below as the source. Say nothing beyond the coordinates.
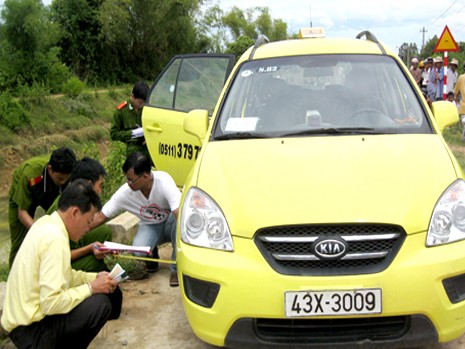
(121, 247)
(241, 124)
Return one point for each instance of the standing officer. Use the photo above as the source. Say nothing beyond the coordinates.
(36, 182)
(126, 125)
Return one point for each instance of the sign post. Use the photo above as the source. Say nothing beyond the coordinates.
(446, 43)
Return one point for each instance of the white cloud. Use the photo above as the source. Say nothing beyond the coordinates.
(393, 22)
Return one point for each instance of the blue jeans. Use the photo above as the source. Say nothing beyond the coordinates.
(155, 234)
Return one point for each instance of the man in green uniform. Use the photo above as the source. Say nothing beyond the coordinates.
(126, 125)
(36, 182)
(85, 254)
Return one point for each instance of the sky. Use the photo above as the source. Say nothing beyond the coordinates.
(393, 22)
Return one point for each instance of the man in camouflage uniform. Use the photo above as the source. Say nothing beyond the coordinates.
(36, 182)
(126, 125)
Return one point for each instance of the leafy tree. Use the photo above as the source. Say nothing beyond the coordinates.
(408, 51)
(81, 47)
(428, 49)
(28, 53)
(143, 35)
(274, 29)
(238, 47)
(210, 28)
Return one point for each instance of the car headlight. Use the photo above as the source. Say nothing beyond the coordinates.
(202, 222)
(448, 219)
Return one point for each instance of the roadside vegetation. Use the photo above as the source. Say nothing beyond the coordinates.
(37, 123)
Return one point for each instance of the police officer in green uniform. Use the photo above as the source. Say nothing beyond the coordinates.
(36, 182)
(126, 125)
(85, 254)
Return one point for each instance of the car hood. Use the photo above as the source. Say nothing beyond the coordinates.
(391, 179)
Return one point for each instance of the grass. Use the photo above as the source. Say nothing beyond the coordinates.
(453, 137)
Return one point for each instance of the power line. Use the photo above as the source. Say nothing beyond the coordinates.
(447, 9)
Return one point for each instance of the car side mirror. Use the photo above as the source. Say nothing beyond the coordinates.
(445, 113)
(196, 123)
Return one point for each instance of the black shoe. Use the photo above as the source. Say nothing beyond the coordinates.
(174, 279)
(152, 267)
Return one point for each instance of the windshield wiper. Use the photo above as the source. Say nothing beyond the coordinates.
(335, 130)
(241, 135)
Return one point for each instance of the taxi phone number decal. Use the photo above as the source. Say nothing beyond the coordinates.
(179, 151)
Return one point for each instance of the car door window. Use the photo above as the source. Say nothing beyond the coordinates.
(191, 83)
(162, 94)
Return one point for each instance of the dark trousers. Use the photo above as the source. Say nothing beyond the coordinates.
(73, 330)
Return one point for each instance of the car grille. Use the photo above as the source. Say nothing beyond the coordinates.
(369, 248)
(334, 330)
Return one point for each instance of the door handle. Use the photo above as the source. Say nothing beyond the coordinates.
(154, 129)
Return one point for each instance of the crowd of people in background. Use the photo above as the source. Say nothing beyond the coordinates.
(430, 76)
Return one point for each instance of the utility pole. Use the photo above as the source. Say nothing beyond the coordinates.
(423, 31)
(311, 16)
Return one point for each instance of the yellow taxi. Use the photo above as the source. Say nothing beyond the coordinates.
(321, 206)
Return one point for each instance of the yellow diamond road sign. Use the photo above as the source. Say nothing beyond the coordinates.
(446, 42)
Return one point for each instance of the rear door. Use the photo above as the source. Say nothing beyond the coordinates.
(188, 82)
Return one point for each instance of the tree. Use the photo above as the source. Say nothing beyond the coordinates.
(255, 21)
(28, 53)
(81, 46)
(407, 52)
(239, 46)
(143, 35)
(210, 28)
(428, 49)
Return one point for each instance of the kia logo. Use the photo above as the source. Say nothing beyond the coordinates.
(330, 248)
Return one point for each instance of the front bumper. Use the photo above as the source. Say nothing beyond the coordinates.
(245, 291)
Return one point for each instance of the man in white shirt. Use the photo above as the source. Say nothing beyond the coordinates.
(153, 197)
(452, 75)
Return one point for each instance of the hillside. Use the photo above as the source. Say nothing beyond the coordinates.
(82, 124)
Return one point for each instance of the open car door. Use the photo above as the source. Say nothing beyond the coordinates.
(188, 82)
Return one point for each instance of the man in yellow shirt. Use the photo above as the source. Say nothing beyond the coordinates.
(459, 90)
(48, 304)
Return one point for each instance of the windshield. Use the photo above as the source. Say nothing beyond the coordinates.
(320, 94)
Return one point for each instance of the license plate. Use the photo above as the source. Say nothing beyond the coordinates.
(344, 302)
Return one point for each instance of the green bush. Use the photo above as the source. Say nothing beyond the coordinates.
(80, 105)
(13, 115)
(7, 137)
(113, 164)
(73, 87)
(35, 94)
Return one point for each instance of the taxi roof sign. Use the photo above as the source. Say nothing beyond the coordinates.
(311, 33)
(446, 42)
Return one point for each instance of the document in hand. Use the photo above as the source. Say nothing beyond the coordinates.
(118, 273)
(108, 245)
